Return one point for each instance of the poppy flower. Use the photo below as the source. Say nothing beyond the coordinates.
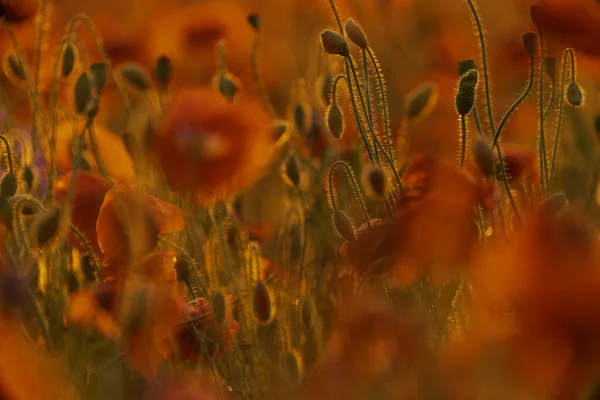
(111, 150)
(17, 11)
(26, 372)
(520, 162)
(192, 46)
(140, 309)
(217, 337)
(436, 222)
(367, 343)
(124, 239)
(571, 23)
(209, 147)
(88, 196)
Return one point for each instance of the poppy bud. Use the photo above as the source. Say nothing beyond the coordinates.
(465, 96)
(100, 75)
(376, 180)
(136, 77)
(68, 60)
(163, 71)
(83, 93)
(344, 226)
(574, 94)
(356, 34)
(465, 66)
(334, 43)
(263, 304)
(292, 170)
(530, 43)
(335, 120)
(48, 227)
(421, 100)
(8, 185)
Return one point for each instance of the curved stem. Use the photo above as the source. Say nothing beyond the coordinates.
(567, 52)
(88, 247)
(335, 83)
(517, 102)
(506, 185)
(543, 164)
(90, 25)
(355, 187)
(486, 78)
(384, 101)
(337, 16)
(361, 128)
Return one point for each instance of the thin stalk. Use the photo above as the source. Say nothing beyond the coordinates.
(463, 147)
(543, 162)
(486, 78)
(567, 52)
(8, 154)
(517, 102)
(384, 101)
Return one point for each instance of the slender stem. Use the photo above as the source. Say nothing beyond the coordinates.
(88, 247)
(337, 16)
(8, 154)
(477, 121)
(355, 187)
(551, 101)
(517, 102)
(258, 82)
(486, 78)
(367, 91)
(543, 163)
(363, 105)
(506, 185)
(384, 101)
(463, 145)
(335, 84)
(567, 52)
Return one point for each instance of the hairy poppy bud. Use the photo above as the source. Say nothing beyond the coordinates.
(344, 226)
(465, 96)
(335, 120)
(356, 34)
(334, 43)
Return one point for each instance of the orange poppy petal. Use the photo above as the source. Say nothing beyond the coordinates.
(168, 217)
(90, 190)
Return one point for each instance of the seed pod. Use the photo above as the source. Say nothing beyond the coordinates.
(530, 43)
(293, 365)
(254, 21)
(550, 66)
(295, 244)
(300, 117)
(356, 34)
(6, 212)
(83, 93)
(465, 96)
(335, 120)
(375, 180)
(68, 61)
(574, 94)
(136, 77)
(263, 303)
(8, 185)
(344, 226)
(99, 73)
(163, 71)
(219, 306)
(28, 176)
(465, 66)
(484, 157)
(334, 43)
(228, 85)
(15, 67)
(292, 170)
(48, 226)
(420, 101)
(554, 204)
(182, 268)
(307, 315)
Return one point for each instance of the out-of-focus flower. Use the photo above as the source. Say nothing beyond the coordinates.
(367, 344)
(16, 11)
(98, 213)
(192, 46)
(141, 309)
(519, 163)
(538, 298)
(211, 148)
(25, 371)
(111, 150)
(214, 338)
(88, 196)
(572, 23)
(184, 386)
(436, 222)
(124, 239)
